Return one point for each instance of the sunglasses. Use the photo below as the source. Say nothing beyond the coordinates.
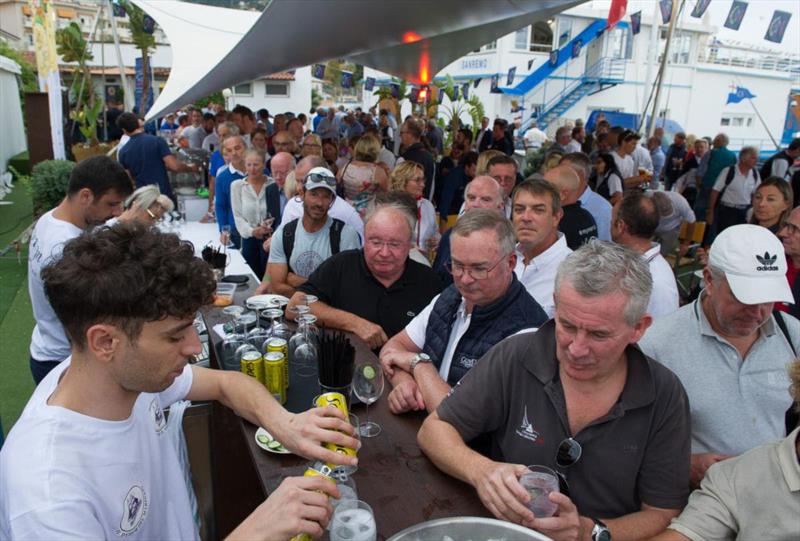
(326, 179)
(568, 454)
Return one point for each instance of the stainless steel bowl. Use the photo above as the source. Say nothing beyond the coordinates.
(468, 529)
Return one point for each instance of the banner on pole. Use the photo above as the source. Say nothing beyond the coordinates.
(44, 41)
(777, 27)
(530, 64)
(369, 84)
(148, 24)
(735, 15)
(476, 82)
(512, 72)
(616, 12)
(395, 90)
(319, 71)
(666, 10)
(347, 79)
(495, 82)
(739, 94)
(553, 58)
(465, 90)
(636, 22)
(700, 8)
(576, 48)
(455, 93)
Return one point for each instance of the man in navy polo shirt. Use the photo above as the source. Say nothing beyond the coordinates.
(147, 157)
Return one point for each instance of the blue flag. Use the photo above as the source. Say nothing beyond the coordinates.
(576, 48)
(119, 11)
(512, 72)
(666, 10)
(735, 15)
(369, 84)
(413, 96)
(741, 94)
(495, 82)
(440, 95)
(553, 58)
(700, 8)
(465, 90)
(347, 79)
(395, 90)
(455, 93)
(530, 63)
(476, 82)
(148, 24)
(636, 22)
(777, 27)
(319, 71)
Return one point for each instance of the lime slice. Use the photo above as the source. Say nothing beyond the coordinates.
(369, 372)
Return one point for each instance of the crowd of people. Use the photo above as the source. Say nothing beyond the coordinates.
(535, 318)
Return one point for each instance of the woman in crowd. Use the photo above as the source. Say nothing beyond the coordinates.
(409, 177)
(250, 211)
(146, 205)
(259, 141)
(552, 159)
(605, 179)
(772, 203)
(312, 145)
(330, 153)
(482, 168)
(362, 177)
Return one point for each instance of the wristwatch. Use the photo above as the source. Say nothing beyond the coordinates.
(600, 531)
(419, 358)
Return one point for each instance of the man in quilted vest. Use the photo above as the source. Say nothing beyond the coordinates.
(485, 304)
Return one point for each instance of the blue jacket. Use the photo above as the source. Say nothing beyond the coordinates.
(514, 311)
(222, 198)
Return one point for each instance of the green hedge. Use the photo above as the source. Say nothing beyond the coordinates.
(48, 184)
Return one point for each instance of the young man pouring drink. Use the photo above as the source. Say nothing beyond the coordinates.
(90, 457)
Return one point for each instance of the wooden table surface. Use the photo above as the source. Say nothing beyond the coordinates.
(395, 478)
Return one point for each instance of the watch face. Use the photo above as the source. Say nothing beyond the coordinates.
(603, 535)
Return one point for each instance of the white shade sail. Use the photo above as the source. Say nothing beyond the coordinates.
(214, 48)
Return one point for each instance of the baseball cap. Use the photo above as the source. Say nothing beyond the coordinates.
(320, 177)
(754, 264)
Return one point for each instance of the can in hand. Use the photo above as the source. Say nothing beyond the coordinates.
(337, 401)
(321, 469)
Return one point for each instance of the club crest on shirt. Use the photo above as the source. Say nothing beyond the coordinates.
(527, 431)
(134, 510)
(158, 416)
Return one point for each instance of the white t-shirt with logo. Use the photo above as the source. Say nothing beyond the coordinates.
(64, 475)
(48, 342)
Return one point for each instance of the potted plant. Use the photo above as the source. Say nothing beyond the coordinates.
(458, 106)
(72, 47)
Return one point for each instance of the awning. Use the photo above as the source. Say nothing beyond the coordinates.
(214, 48)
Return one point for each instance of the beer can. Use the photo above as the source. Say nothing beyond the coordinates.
(280, 344)
(321, 469)
(338, 401)
(252, 364)
(275, 375)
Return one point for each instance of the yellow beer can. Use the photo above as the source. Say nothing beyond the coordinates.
(280, 344)
(252, 364)
(338, 401)
(275, 375)
(321, 469)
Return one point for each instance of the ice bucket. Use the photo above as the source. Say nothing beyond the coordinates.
(467, 529)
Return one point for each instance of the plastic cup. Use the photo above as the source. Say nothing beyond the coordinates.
(539, 482)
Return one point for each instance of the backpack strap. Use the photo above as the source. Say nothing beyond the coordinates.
(778, 315)
(728, 180)
(289, 231)
(336, 235)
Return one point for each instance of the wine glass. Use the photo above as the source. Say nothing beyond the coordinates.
(267, 222)
(353, 521)
(368, 387)
(303, 346)
(226, 236)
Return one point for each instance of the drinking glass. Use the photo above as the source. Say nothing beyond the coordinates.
(182, 210)
(303, 345)
(540, 481)
(368, 387)
(353, 520)
(233, 311)
(267, 222)
(226, 236)
(229, 348)
(276, 328)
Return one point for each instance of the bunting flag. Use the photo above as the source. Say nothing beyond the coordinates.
(495, 82)
(369, 84)
(700, 8)
(395, 90)
(455, 93)
(530, 64)
(476, 82)
(777, 27)
(666, 10)
(119, 11)
(616, 12)
(319, 71)
(465, 90)
(636, 22)
(740, 93)
(553, 57)
(735, 15)
(347, 79)
(148, 24)
(576, 48)
(440, 95)
(413, 97)
(512, 72)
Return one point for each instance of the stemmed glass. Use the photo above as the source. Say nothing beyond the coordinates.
(277, 328)
(303, 344)
(368, 387)
(267, 223)
(234, 312)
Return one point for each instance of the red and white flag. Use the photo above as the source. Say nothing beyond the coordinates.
(616, 12)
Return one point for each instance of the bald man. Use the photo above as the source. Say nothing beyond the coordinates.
(577, 224)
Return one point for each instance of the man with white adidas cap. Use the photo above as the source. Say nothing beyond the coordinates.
(730, 350)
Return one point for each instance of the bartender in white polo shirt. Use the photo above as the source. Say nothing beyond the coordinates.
(732, 193)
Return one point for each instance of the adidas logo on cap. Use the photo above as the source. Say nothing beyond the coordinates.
(767, 262)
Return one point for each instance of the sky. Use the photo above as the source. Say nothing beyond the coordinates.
(754, 26)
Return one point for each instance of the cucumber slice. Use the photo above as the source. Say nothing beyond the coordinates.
(275, 445)
(265, 440)
(369, 372)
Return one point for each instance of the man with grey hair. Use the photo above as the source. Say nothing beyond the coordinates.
(375, 291)
(729, 350)
(577, 223)
(563, 135)
(580, 398)
(732, 193)
(485, 304)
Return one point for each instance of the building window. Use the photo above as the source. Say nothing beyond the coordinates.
(488, 47)
(618, 44)
(521, 38)
(276, 89)
(244, 89)
(564, 31)
(737, 121)
(679, 48)
(542, 35)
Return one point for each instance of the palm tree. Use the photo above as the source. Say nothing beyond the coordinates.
(74, 48)
(143, 41)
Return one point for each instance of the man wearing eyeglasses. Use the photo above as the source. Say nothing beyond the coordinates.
(485, 304)
(299, 246)
(580, 398)
(790, 237)
(283, 142)
(376, 291)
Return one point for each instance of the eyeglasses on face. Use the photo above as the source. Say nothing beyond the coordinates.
(393, 245)
(479, 272)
